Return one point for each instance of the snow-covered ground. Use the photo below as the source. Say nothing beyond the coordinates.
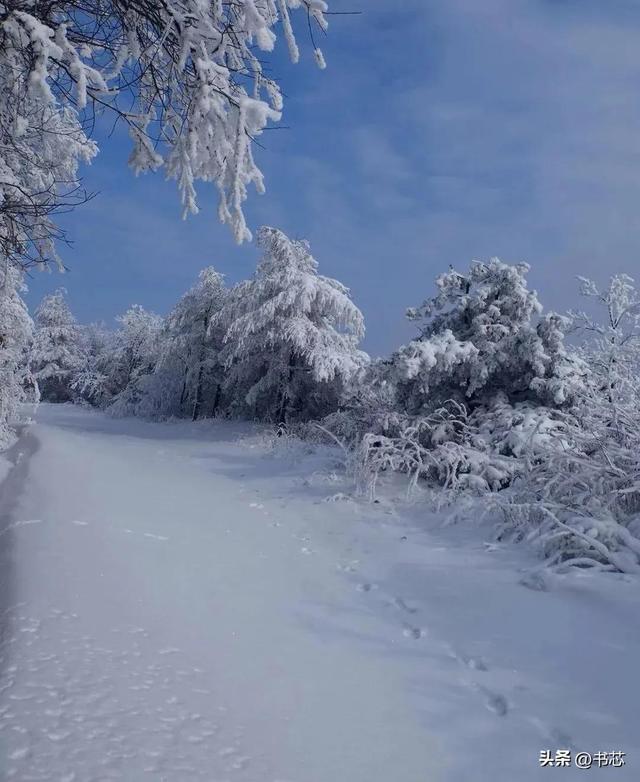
(181, 602)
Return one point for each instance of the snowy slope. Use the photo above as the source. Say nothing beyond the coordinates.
(182, 603)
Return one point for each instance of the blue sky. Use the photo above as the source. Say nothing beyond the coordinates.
(440, 132)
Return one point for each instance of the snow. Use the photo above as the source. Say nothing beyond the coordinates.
(190, 601)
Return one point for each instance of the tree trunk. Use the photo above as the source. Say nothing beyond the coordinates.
(183, 394)
(216, 400)
(284, 405)
(197, 403)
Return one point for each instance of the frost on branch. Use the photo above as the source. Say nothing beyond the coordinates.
(185, 76)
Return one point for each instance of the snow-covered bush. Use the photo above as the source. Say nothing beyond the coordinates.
(16, 334)
(582, 501)
(486, 374)
(291, 341)
(58, 353)
(187, 380)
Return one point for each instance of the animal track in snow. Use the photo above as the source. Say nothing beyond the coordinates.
(414, 632)
(553, 735)
(403, 606)
(80, 703)
(366, 587)
(470, 661)
(348, 567)
(495, 702)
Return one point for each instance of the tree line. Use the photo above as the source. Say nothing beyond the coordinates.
(537, 413)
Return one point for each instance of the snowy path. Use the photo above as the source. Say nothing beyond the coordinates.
(180, 605)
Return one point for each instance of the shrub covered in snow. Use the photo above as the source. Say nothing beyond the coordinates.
(482, 383)
(582, 501)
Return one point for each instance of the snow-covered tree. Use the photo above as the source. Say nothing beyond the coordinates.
(92, 382)
(613, 347)
(481, 335)
(16, 334)
(42, 138)
(135, 353)
(187, 380)
(57, 349)
(292, 335)
(483, 381)
(185, 77)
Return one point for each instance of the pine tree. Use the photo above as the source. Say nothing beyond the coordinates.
(291, 335)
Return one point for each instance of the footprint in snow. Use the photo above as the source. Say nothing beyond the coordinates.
(403, 606)
(560, 738)
(554, 735)
(470, 661)
(349, 567)
(495, 702)
(414, 632)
